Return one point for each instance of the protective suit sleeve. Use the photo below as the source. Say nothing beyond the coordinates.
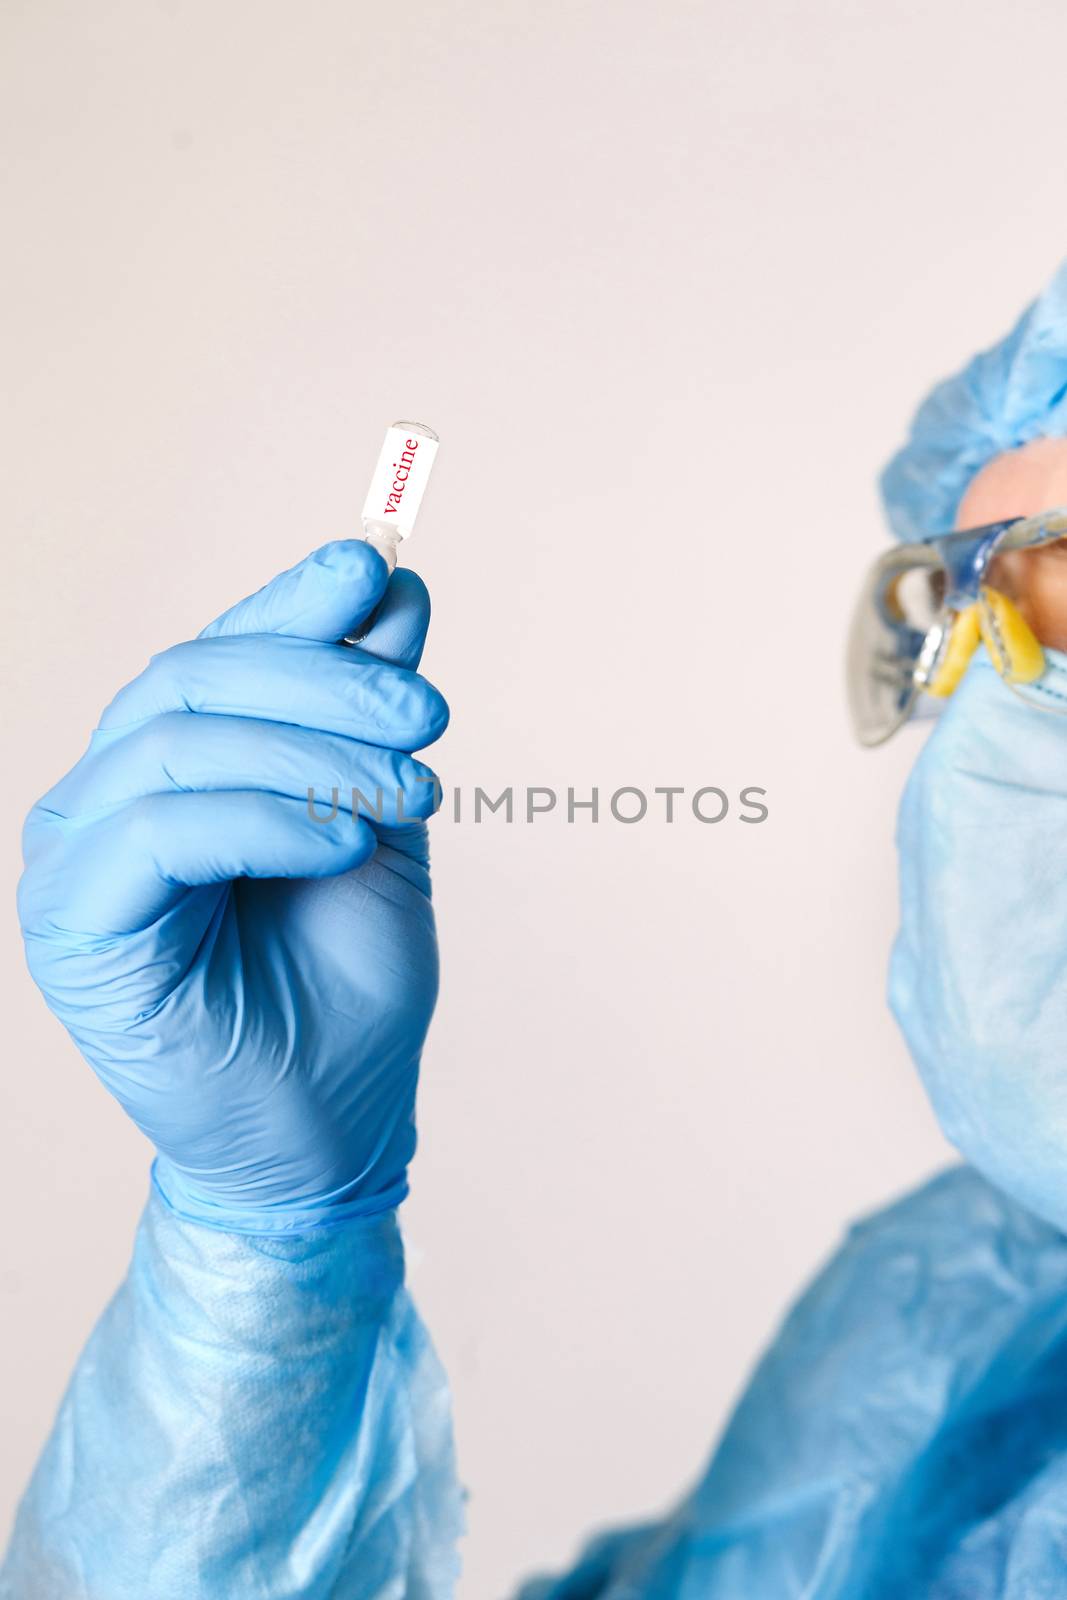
(253, 1418)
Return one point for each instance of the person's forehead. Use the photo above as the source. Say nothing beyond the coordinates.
(1017, 483)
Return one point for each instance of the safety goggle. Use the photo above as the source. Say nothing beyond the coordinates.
(921, 614)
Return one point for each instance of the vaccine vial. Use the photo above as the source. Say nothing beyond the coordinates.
(397, 487)
(395, 495)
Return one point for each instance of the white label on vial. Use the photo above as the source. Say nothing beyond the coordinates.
(400, 479)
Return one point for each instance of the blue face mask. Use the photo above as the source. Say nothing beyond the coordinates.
(978, 981)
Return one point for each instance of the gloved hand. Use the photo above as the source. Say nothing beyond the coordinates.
(252, 985)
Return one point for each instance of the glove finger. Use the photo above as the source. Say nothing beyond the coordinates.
(124, 869)
(180, 752)
(323, 597)
(279, 679)
(399, 631)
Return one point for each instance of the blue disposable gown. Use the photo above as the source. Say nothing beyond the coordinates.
(265, 1418)
(904, 1438)
(252, 1418)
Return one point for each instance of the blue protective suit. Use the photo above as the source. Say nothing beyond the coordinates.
(259, 1413)
(904, 1438)
(906, 1434)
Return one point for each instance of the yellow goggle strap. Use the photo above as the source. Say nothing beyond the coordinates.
(956, 653)
(1014, 650)
(1012, 646)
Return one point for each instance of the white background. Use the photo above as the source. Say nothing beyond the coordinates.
(668, 280)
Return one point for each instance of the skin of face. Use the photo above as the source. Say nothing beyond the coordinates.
(1020, 483)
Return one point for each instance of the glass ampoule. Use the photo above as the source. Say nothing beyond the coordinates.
(395, 494)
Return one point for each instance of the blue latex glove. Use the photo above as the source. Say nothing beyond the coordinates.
(254, 987)
(259, 1414)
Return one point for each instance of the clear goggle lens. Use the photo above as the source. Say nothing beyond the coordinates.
(921, 613)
